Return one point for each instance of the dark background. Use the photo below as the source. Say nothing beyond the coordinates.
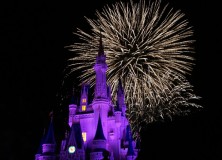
(33, 57)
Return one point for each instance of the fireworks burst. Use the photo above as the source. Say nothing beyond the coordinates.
(149, 47)
(180, 100)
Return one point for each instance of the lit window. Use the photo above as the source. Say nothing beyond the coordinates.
(84, 136)
(83, 107)
(84, 100)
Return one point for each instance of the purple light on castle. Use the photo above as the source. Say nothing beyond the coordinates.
(96, 129)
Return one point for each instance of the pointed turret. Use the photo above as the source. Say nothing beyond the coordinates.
(72, 109)
(120, 88)
(138, 141)
(101, 57)
(101, 48)
(50, 137)
(120, 93)
(79, 141)
(72, 137)
(109, 93)
(72, 144)
(49, 144)
(99, 131)
(120, 98)
(128, 136)
(84, 98)
(39, 151)
(130, 153)
(78, 135)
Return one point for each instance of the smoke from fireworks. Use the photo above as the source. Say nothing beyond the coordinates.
(149, 47)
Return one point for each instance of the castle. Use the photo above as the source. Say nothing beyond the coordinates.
(98, 130)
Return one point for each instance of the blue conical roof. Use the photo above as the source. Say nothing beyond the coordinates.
(84, 88)
(120, 87)
(99, 131)
(78, 135)
(127, 133)
(138, 143)
(50, 138)
(39, 151)
(130, 151)
(72, 136)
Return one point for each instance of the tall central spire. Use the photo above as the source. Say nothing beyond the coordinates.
(101, 49)
(100, 68)
(101, 57)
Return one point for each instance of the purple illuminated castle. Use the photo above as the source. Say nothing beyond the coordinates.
(98, 130)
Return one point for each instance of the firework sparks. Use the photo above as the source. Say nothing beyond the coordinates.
(148, 47)
(180, 100)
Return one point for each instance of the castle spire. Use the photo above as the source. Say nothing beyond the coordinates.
(120, 98)
(120, 87)
(99, 131)
(101, 48)
(101, 57)
(49, 144)
(120, 93)
(84, 97)
(72, 137)
(100, 68)
(130, 152)
(72, 109)
(50, 138)
(39, 151)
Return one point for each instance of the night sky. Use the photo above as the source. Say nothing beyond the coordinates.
(33, 57)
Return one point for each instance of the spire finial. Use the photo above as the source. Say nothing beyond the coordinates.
(101, 49)
(51, 115)
(120, 87)
(73, 91)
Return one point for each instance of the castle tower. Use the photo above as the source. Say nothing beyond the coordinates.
(101, 102)
(100, 68)
(49, 144)
(121, 98)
